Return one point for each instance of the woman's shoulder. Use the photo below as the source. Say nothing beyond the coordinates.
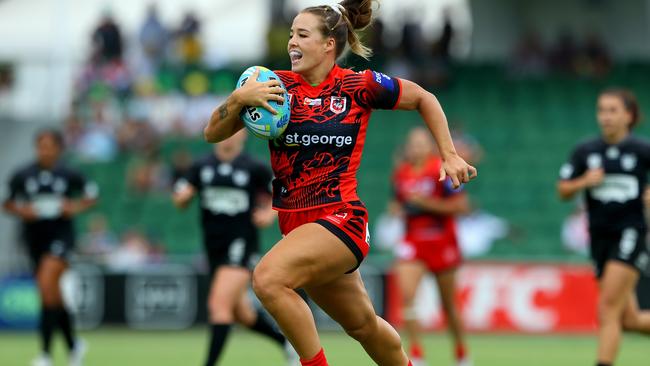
(286, 76)
(638, 140)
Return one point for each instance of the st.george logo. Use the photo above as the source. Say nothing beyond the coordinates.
(338, 104)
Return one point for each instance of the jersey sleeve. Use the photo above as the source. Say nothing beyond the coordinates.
(15, 186)
(575, 166)
(82, 186)
(383, 91)
(645, 152)
(449, 190)
(191, 177)
(262, 178)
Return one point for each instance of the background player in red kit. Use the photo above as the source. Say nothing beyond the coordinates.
(429, 206)
(315, 163)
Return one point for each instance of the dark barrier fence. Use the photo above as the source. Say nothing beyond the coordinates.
(161, 297)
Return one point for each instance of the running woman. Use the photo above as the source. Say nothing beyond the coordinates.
(429, 207)
(46, 195)
(612, 172)
(235, 199)
(325, 225)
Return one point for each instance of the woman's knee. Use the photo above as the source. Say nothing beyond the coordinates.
(266, 282)
(630, 322)
(408, 297)
(221, 310)
(609, 307)
(50, 293)
(363, 330)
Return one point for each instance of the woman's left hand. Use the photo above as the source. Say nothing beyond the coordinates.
(457, 169)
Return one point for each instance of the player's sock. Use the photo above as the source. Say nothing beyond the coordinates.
(48, 323)
(263, 326)
(318, 360)
(217, 340)
(417, 351)
(65, 324)
(410, 363)
(461, 351)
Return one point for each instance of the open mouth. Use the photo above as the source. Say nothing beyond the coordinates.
(295, 56)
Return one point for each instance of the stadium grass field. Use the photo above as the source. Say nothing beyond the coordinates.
(118, 346)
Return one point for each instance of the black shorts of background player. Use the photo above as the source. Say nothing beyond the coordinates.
(45, 195)
(235, 200)
(612, 172)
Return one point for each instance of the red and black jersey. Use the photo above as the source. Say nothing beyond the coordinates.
(315, 161)
(423, 226)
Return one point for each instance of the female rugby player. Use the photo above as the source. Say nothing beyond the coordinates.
(324, 223)
(46, 195)
(429, 207)
(235, 200)
(612, 172)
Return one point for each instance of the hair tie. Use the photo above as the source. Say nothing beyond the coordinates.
(338, 9)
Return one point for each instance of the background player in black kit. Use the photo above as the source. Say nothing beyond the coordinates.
(235, 199)
(46, 195)
(612, 171)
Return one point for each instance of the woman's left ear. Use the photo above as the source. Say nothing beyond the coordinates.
(330, 45)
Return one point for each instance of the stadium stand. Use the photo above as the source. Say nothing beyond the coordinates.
(526, 127)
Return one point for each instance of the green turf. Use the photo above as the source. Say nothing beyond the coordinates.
(128, 347)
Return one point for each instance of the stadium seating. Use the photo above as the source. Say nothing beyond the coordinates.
(526, 127)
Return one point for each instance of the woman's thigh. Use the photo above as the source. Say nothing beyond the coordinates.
(310, 255)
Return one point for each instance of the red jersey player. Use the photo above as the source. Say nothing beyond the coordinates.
(429, 206)
(315, 163)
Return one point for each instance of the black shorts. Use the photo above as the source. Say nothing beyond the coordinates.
(232, 250)
(628, 246)
(60, 246)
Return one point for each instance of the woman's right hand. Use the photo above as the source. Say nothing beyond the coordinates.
(258, 94)
(593, 177)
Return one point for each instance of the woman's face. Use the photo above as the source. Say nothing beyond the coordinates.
(307, 47)
(418, 145)
(613, 117)
(47, 150)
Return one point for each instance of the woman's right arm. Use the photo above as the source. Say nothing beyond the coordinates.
(567, 188)
(225, 120)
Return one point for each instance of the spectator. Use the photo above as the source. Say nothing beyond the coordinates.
(564, 54)
(97, 142)
(153, 38)
(107, 40)
(98, 241)
(529, 58)
(594, 59)
(137, 136)
(147, 174)
(134, 251)
(188, 45)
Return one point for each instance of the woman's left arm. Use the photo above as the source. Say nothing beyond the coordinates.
(414, 97)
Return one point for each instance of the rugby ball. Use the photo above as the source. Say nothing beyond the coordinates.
(259, 121)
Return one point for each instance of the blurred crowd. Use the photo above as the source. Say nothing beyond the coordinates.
(136, 90)
(588, 58)
(161, 84)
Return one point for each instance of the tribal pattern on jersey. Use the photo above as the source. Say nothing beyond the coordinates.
(316, 159)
